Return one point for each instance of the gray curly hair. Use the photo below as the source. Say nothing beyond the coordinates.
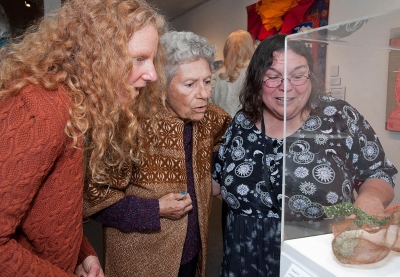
(184, 47)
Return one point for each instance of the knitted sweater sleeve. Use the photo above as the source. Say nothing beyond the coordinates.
(131, 214)
(28, 150)
(86, 250)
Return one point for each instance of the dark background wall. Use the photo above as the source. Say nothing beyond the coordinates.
(21, 16)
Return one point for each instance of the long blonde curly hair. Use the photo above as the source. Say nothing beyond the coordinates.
(238, 50)
(83, 47)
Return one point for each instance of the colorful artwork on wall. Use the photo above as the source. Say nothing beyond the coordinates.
(269, 17)
(393, 122)
(393, 92)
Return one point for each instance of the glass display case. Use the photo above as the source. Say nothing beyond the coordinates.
(355, 115)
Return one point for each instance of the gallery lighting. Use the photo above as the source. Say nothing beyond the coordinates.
(29, 3)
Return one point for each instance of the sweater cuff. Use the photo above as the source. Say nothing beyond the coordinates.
(132, 214)
(86, 250)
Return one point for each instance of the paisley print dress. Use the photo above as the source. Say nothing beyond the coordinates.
(332, 154)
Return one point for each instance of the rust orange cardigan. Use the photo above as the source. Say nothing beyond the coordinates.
(41, 187)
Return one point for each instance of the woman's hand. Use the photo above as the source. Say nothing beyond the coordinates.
(175, 205)
(374, 196)
(89, 268)
(370, 205)
(216, 188)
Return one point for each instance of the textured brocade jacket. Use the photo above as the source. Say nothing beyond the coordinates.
(163, 171)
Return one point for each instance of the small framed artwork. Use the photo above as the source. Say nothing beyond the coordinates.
(338, 92)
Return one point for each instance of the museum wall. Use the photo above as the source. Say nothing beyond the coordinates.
(217, 19)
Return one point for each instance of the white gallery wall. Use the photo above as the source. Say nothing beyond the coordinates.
(51, 5)
(217, 19)
(343, 10)
(364, 70)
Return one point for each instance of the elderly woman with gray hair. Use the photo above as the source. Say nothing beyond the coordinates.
(160, 226)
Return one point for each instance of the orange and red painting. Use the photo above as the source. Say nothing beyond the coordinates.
(393, 121)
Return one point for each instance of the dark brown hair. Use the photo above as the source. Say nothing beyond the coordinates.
(263, 58)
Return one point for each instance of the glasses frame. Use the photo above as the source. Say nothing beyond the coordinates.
(264, 82)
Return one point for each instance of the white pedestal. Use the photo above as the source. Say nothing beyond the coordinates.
(313, 257)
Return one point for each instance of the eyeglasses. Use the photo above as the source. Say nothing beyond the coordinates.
(297, 80)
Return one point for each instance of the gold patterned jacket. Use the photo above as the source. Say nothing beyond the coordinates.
(163, 170)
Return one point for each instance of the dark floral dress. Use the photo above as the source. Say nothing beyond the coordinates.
(332, 154)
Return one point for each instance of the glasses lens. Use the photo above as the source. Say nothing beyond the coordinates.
(277, 81)
(298, 80)
(273, 82)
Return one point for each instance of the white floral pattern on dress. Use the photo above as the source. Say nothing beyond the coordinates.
(244, 169)
(228, 180)
(230, 167)
(252, 137)
(243, 190)
(324, 173)
(301, 172)
(330, 111)
(326, 159)
(321, 139)
(308, 188)
(332, 197)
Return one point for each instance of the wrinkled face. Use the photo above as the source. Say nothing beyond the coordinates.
(143, 48)
(189, 91)
(296, 96)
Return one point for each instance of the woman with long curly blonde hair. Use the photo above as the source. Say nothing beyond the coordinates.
(81, 78)
(228, 81)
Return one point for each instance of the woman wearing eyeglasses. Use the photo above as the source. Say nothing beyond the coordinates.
(331, 150)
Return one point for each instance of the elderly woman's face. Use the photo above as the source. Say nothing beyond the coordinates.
(189, 91)
(296, 95)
